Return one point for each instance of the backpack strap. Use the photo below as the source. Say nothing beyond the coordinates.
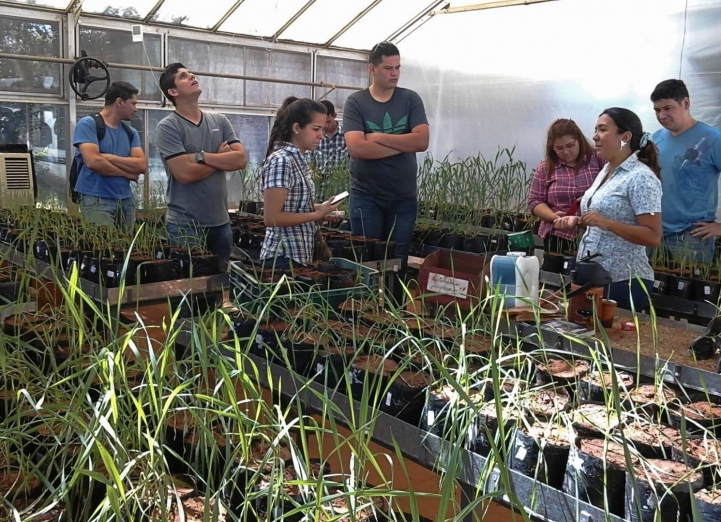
(100, 128)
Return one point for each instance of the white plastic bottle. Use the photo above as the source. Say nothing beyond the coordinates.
(517, 275)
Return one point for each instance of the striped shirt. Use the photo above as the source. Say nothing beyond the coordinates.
(286, 168)
(560, 191)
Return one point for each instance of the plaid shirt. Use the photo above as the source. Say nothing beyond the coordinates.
(559, 192)
(286, 168)
(332, 151)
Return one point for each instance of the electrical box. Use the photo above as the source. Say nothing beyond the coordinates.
(137, 33)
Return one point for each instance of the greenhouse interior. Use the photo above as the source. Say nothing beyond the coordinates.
(253, 269)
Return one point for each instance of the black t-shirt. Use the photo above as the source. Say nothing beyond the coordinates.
(393, 177)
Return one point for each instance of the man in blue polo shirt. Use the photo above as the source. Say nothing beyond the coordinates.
(110, 164)
(690, 158)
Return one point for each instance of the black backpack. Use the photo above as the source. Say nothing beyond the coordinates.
(77, 163)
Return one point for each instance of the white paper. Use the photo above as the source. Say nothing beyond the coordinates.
(656, 284)
(259, 340)
(319, 368)
(521, 453)
(448, 285)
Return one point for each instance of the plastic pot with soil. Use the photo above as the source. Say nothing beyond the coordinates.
(485, 432)
(596, 473)
(596, 386)
(330, 366)
(372, 371)
(661, 283)
(406, 396)
(681, 286)
(541, 452)
(439, 420)
(302, 348)
(662, 491)
(696, 414)
(552, 262)
(704, 291)
(648, 399)
(561, 372)
(708, 502)
(546, 403)
(701, 451)
(652, 441)
(593, 419)
(365, 509)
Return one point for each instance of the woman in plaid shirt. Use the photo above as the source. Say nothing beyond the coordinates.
(570, 167)
(289, 211)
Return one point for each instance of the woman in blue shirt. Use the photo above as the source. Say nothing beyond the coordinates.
(622, 210)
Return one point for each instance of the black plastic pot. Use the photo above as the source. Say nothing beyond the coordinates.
(45, 250)
(593, 480)
(569, 265)
(661, 283)
(552, 263)
(383, 250)
(506, 223)
(709, 508)
(405, 402)
(681, 287)
(488, 221)
(646, 501)
(706, 291)
(547, 466)
(452, 242)
(497, 243)
(475, 244)
(594, 392)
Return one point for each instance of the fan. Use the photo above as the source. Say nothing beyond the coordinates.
(81, 78)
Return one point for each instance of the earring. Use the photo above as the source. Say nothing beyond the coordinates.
(623, 144)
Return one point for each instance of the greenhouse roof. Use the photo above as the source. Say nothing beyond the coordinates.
(348, 24)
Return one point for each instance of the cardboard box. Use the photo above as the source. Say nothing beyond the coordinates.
(449, 276)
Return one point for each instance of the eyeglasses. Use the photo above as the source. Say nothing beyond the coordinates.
(569, 147)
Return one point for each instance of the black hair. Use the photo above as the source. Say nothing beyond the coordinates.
(628, 121)
(380, 50)
(122, 90)
(167, 79)
(670, 90)
(330, 108)
(294, 110)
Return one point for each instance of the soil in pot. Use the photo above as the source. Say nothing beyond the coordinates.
(592, 419)
(648, 399)
(15, 484)
(29, 509)
(329, 366)
(371, 369)
(596, 472)
(355, 308)
(702, 450)
(368, 509)
(561, 372)
(652, 441)
(651, 496)
(541, 452)
(700, 414)
(709, 504)
(343, 279)
(406, 395)
(302, 347)
(546, 403)
(596, 385)
(436, 419)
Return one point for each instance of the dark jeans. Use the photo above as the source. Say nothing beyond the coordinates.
(622, 294)
(218, 240)
(384, 219)
(279, 263)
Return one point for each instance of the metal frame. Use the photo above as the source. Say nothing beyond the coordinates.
(488, 5)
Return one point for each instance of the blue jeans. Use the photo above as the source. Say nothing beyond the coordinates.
(108, 212)
(693, 249)
(385, 219)
(622, 294)
(218, 240)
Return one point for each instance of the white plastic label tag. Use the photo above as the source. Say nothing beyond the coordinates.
(319, 368)
(707, 290)
(656, 284)
(111, 273)
(681, 284)
(388, 399)
(521, 453)
(431, 417)
(259, 340)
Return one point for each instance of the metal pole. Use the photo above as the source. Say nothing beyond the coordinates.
(11, 56)
(488, 5)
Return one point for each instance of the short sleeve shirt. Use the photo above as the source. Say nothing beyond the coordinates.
(632, 191)
(332, 151)
(286, 168)
(690, 165)
(395, 177)
(116, 142)
(205, 202)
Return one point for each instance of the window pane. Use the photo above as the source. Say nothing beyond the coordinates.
(275, 64)
(122, 8)
(380, 23)
(253, 132)
(261, 17)
(213, 57)
(56, 4)
(307, 29)
(340, 71)
(22, 36)
(45, 127)
(289, 66)
(184, 12)
(116, 46)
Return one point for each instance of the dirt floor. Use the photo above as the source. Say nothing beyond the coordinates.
(668, 344)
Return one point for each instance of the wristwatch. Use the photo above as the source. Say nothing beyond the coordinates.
(200, 157)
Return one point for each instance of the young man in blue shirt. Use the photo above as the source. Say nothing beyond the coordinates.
(109, 165)
(690, 158)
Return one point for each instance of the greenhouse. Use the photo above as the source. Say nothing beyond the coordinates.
(360, 260)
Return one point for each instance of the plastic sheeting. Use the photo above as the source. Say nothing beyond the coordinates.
(500, 77)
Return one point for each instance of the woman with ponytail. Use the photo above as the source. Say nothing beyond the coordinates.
(289, 211)
(622, 210)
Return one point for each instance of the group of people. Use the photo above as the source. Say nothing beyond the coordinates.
(629, 191)
(383, 127)
(617, 195)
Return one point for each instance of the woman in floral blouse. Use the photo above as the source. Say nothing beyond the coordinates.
(621, 212)
(570, 167)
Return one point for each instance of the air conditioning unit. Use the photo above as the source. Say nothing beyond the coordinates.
(16, 177)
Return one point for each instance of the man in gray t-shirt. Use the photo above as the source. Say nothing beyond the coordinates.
(198, 150)
(385, 126)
